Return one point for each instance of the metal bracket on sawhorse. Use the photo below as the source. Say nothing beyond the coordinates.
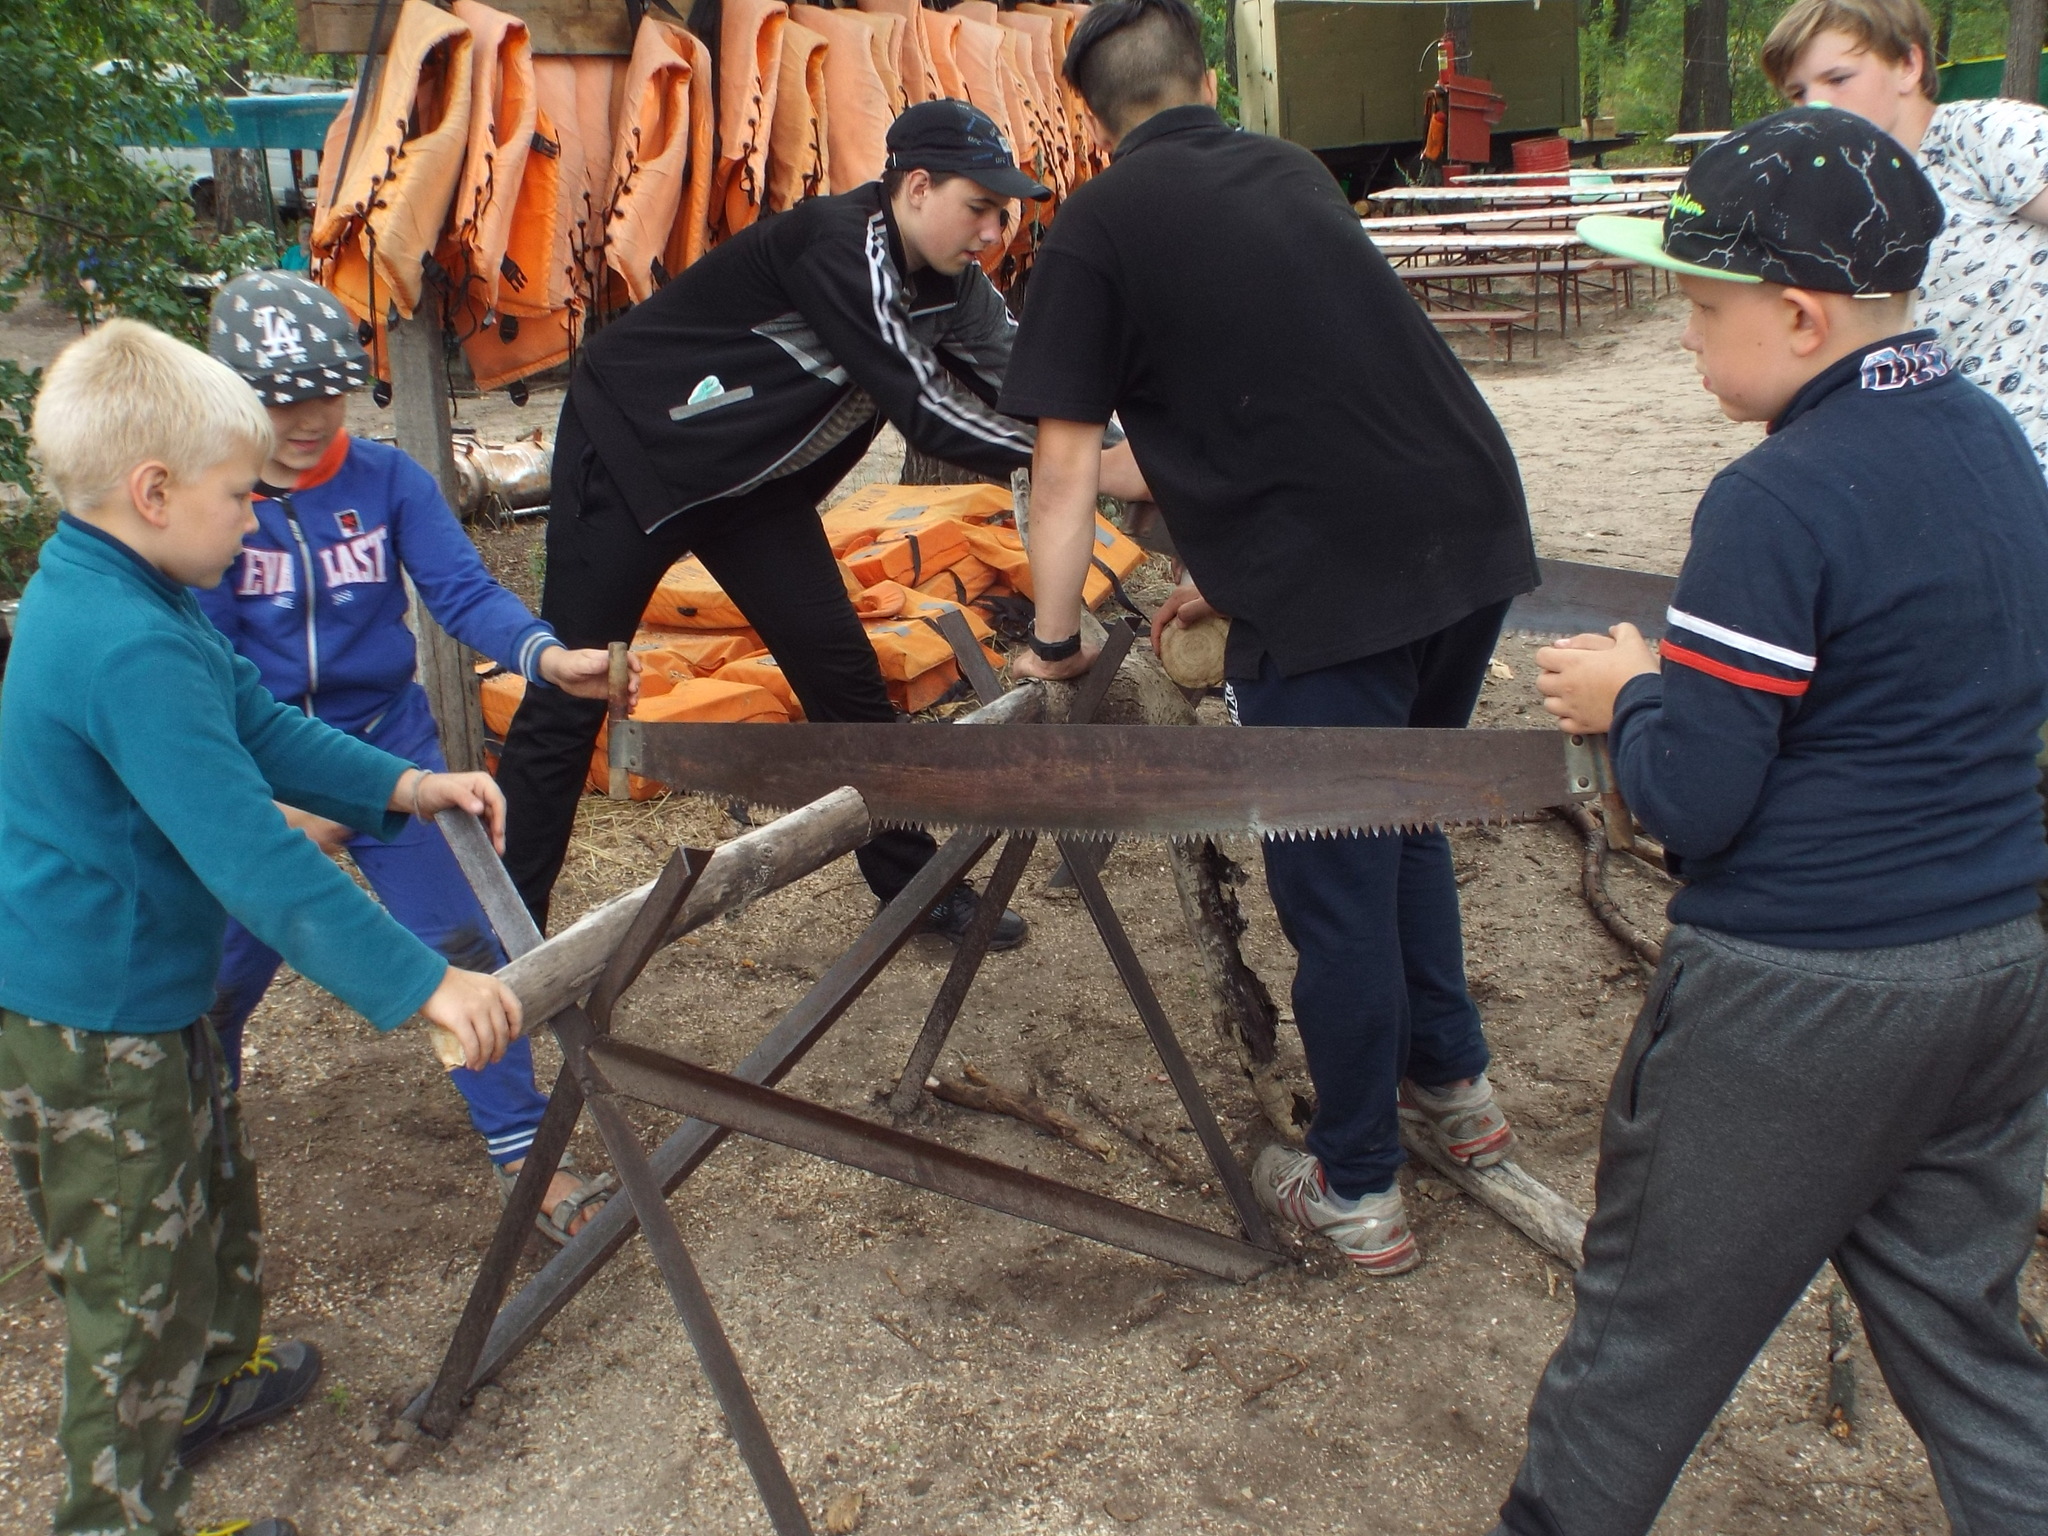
(1084, 859)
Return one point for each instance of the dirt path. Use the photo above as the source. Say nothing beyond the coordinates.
(965, 1372)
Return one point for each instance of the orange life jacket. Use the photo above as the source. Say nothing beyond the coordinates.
(913, 67)
(749, 66)
(504, 116)
(799, 150)
(1056, 145)
(941, 38)
(857, 130)
(379, 217)
(888, 28)
(651, 155)
(579, 96)
(978, 52)
(500, 238)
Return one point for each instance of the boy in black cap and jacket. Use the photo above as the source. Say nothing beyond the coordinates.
(1843, 1053)
(712, 419)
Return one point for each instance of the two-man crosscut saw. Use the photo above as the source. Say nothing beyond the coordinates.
(1130, 780)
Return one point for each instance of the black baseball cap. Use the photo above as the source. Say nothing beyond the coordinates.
(950, 135)
(1813, 197)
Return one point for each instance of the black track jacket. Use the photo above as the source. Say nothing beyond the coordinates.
(782, 343)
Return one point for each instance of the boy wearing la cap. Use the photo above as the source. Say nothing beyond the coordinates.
(1843, 1053)
(713, 418)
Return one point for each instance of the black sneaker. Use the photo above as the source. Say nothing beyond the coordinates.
(276, 1525)
(951, 917)
(272, 1381)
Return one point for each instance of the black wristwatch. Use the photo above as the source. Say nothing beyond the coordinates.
(1055, 650)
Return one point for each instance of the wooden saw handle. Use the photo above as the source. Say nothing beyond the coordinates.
(618, 681)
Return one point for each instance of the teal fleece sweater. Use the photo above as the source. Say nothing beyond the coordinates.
(139, 758)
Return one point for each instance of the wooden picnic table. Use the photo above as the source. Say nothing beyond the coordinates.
(1618, 195)
(1616, 174)
(1537, 248)
(1690, 144)
(1497, 219)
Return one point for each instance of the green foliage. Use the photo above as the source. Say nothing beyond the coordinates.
(1217, 42)
(1637, 81)
(96, 231)
(18, 388)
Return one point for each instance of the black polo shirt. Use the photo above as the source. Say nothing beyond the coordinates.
(1326, 467)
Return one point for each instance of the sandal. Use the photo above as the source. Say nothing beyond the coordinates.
(555, 1224)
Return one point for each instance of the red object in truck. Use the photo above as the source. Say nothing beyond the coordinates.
(1471, 105)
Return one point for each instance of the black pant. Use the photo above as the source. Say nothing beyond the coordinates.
(1776, 1108)
(768, 551)
(1379, 993)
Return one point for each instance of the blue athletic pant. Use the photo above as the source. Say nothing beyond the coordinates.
(420, 884)
(1379, 990)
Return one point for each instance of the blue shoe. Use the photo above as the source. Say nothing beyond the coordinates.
(271, 1382)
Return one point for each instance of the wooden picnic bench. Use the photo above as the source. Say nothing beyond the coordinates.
(1499, 323)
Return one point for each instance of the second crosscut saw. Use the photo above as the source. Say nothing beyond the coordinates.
(1129, 780)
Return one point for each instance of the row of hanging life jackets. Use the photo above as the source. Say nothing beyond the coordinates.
(538, 193)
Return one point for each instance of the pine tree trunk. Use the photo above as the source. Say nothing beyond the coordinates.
(1617, 22)
(1705, 95)
(2024, 24)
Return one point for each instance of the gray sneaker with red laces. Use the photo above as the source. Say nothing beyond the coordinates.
(1466, 1122)
(1371, 1231)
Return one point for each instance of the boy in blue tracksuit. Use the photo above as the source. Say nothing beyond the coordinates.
(318, 602)
(1843, 1054)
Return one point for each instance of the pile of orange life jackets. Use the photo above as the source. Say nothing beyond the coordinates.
(907, 553)
(538, 193)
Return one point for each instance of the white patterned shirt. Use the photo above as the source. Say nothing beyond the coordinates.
(1986, 290)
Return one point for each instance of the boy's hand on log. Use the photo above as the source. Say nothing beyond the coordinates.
(427, 794)
(1184, 605)
(475, 1018)
(1582, 674)
(328, 836)
(583, 673)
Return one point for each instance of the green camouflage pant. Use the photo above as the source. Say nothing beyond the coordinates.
(155, 1252)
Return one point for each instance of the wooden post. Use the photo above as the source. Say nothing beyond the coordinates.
(419, 403)
(2024, 25)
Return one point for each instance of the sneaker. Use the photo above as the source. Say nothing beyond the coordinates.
(1372, 1231)
(1467, 1123)
(276, 1525)
(950, 918)
(272, 1381)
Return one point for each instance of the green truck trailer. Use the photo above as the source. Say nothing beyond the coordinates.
(1349, 78)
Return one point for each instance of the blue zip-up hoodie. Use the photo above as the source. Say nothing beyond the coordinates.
(139, 759)
(317, 599)
(1840, 749)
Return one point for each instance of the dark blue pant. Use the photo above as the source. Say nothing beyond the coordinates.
(420, 884)
(1379, 990)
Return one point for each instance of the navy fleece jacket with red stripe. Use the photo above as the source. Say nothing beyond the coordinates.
(1840, 749)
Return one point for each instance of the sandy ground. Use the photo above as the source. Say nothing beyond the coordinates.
(961, 1371)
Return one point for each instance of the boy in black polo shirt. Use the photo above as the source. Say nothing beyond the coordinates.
(1844, 1051)
(1335, 483)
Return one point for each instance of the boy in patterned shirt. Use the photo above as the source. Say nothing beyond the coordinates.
(1986, 290)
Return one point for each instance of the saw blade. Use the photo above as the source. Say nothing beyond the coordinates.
(1126, 780)
(1576, 598)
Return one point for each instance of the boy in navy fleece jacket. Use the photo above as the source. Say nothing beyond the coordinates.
(139, 762)
(1843, 1053)
(318, 602)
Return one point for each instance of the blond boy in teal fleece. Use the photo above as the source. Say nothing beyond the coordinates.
(141, 770)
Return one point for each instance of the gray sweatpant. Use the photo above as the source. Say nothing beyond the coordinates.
(1776, 1108)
